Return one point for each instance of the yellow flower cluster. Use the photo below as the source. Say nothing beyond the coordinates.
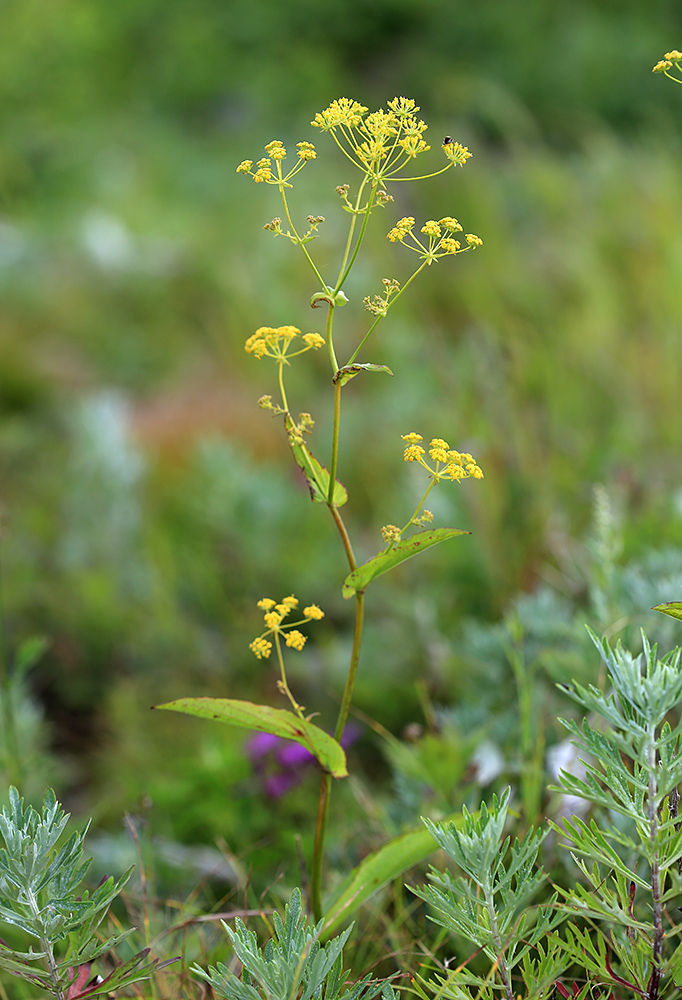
(380, 143)
(666, 62)
(274, 615)
(440, 242)
(274, 342)
(450, 464)
(456, 153)
(276, 151)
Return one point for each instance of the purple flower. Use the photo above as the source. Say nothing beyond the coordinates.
(281, 764)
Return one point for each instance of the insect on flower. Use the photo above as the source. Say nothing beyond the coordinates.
(447, 141)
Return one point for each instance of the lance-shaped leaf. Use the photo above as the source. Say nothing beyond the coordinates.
(377, 870)
(266, 719)
(316, 475)
(383, 561)
(673, 608)
(348, 372)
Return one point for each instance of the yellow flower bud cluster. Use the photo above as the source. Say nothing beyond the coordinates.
(449, 464)
(378, 305)
(273, 616)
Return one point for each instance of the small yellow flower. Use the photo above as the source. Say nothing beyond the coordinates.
(295, 638)
(341, 112)
(282, 609)
(450, 245)
(244, 167)
(266, 603)
(272, 619)
(313, 612)
(661, 66)
(261, 647)
(457, 153)
(674, 55)
(473, 240)
(306, 151)
(438, 450)
(291, 601)
(401, 229)
(411, 438)
(431, 228)
(451, 224)
(314, 340)
(276, 150)
(403, 107)
(413, 453)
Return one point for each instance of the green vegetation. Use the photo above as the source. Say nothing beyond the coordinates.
(146, 504)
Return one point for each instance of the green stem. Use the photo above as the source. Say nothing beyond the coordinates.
(419, 505)
(351, 230)
(335, 443)
(293, 229)
(353, 667)
(497, 941)
(326, 780)
(346, 272)
(285, 405)
(344, 538)
(318, 848)
(283, 685)
(393, 301)
(45, 942)
(330, 342)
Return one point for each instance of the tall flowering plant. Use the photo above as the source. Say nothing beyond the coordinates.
(382, 147)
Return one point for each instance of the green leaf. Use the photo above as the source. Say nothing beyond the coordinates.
(672, 608)
(266, 719)
(379, 564)
(376, 871)
(316, 475)
(348, 372)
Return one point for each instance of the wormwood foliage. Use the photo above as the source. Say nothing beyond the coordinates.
(41, 895)
(489, 904)
(630, 853)
(292, 964)
(617, 930)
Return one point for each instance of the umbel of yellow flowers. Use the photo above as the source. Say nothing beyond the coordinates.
(274, 615)
(450, 464)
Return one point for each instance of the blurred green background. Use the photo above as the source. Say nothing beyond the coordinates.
(148, 504)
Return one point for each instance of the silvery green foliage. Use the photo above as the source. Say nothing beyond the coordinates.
(292, 966)
(489, 905)
(630, 854)
(41, 895)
